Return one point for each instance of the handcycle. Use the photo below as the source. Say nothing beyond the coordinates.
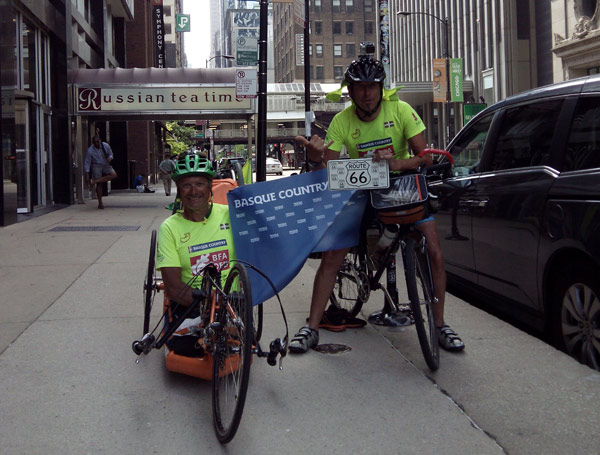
(356, 278)
(227, 336)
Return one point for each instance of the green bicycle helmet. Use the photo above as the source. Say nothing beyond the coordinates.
(193, 165)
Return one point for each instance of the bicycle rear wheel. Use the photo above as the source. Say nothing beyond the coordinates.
(232, 355)
(419, 285)
(351, 287)
(150, 287)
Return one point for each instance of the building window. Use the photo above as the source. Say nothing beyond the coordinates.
(337, 50)
(350, 50)
(338, 72)
(335, 6)
(310, 50)
(349, 28)
(318, 27)
(319, 50)
(317, 6)
(320, 73)
(337, 27)
(368, 27)
(368, 6)
(350, 6)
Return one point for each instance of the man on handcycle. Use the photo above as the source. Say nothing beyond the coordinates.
(198, 235)
(374, 125)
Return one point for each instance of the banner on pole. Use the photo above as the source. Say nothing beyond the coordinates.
(456, 80)
(439, 80)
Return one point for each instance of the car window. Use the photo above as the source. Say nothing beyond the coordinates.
(468, 149)
(525, 137)
(583, 149)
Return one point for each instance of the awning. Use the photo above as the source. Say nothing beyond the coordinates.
(158, 93)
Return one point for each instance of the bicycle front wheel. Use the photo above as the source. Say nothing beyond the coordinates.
(232, 354)
(150, 288)
(419, 283)
(351, 287)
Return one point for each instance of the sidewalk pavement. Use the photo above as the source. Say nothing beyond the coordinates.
(71, 304)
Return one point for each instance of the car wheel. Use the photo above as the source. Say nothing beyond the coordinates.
(576, 314)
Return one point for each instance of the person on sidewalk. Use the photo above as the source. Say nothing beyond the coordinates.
(191, 239)
(97, 167)
(166, 168)
(140, 184)
(381, 126)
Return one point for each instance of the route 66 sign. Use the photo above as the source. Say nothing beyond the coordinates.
(363, 174)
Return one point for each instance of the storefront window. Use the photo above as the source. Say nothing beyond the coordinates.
(28, 57)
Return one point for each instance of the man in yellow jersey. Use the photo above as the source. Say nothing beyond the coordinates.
(192, 238)
(383, 128)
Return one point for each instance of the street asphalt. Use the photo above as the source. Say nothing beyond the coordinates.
(71, 305)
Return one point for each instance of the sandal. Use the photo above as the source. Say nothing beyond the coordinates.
(449, 340)
(305, 339)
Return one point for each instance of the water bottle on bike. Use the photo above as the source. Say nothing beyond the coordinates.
(386, 239)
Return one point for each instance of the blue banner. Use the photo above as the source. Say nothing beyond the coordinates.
(277, 224)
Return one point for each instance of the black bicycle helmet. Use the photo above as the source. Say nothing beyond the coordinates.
(193, 165)
(365, 69)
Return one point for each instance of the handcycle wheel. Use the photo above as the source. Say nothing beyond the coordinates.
(150, 288)
(419, 284)
(351, 287)
(232, 354)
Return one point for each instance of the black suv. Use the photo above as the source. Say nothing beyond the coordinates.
(519, 219)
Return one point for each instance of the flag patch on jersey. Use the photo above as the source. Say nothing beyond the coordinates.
(224, 226)
(388, 125)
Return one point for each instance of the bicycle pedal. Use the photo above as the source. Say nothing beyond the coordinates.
(398, 319)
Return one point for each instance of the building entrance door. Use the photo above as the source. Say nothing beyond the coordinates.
(23, 150)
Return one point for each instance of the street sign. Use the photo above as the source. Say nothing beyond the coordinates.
(299, 49)
(246, 51)
(182, 22)
(355, 174)
(471, 110)
(246, 83)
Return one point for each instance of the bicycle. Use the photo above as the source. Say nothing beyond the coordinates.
(355, 280)
(227, 336)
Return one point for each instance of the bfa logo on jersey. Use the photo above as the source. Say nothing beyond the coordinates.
(220, 259)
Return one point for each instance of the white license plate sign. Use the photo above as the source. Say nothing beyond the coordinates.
(364, 174)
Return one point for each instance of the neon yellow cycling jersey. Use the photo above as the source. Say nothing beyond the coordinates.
(191, 245)
(396, 123)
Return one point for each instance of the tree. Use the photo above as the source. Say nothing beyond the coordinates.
(180, 138)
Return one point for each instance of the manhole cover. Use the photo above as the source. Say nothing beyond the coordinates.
(332, 348)
(93, 228)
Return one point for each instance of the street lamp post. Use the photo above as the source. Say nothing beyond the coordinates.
(446, 23)
(227, 57)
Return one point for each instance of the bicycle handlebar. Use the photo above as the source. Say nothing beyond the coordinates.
(437, 152)
(144, 345)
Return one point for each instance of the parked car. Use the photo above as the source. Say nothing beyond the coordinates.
(519, 219)
(274, 166)
(229, 161)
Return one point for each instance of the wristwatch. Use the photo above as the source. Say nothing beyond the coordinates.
(314, 164)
